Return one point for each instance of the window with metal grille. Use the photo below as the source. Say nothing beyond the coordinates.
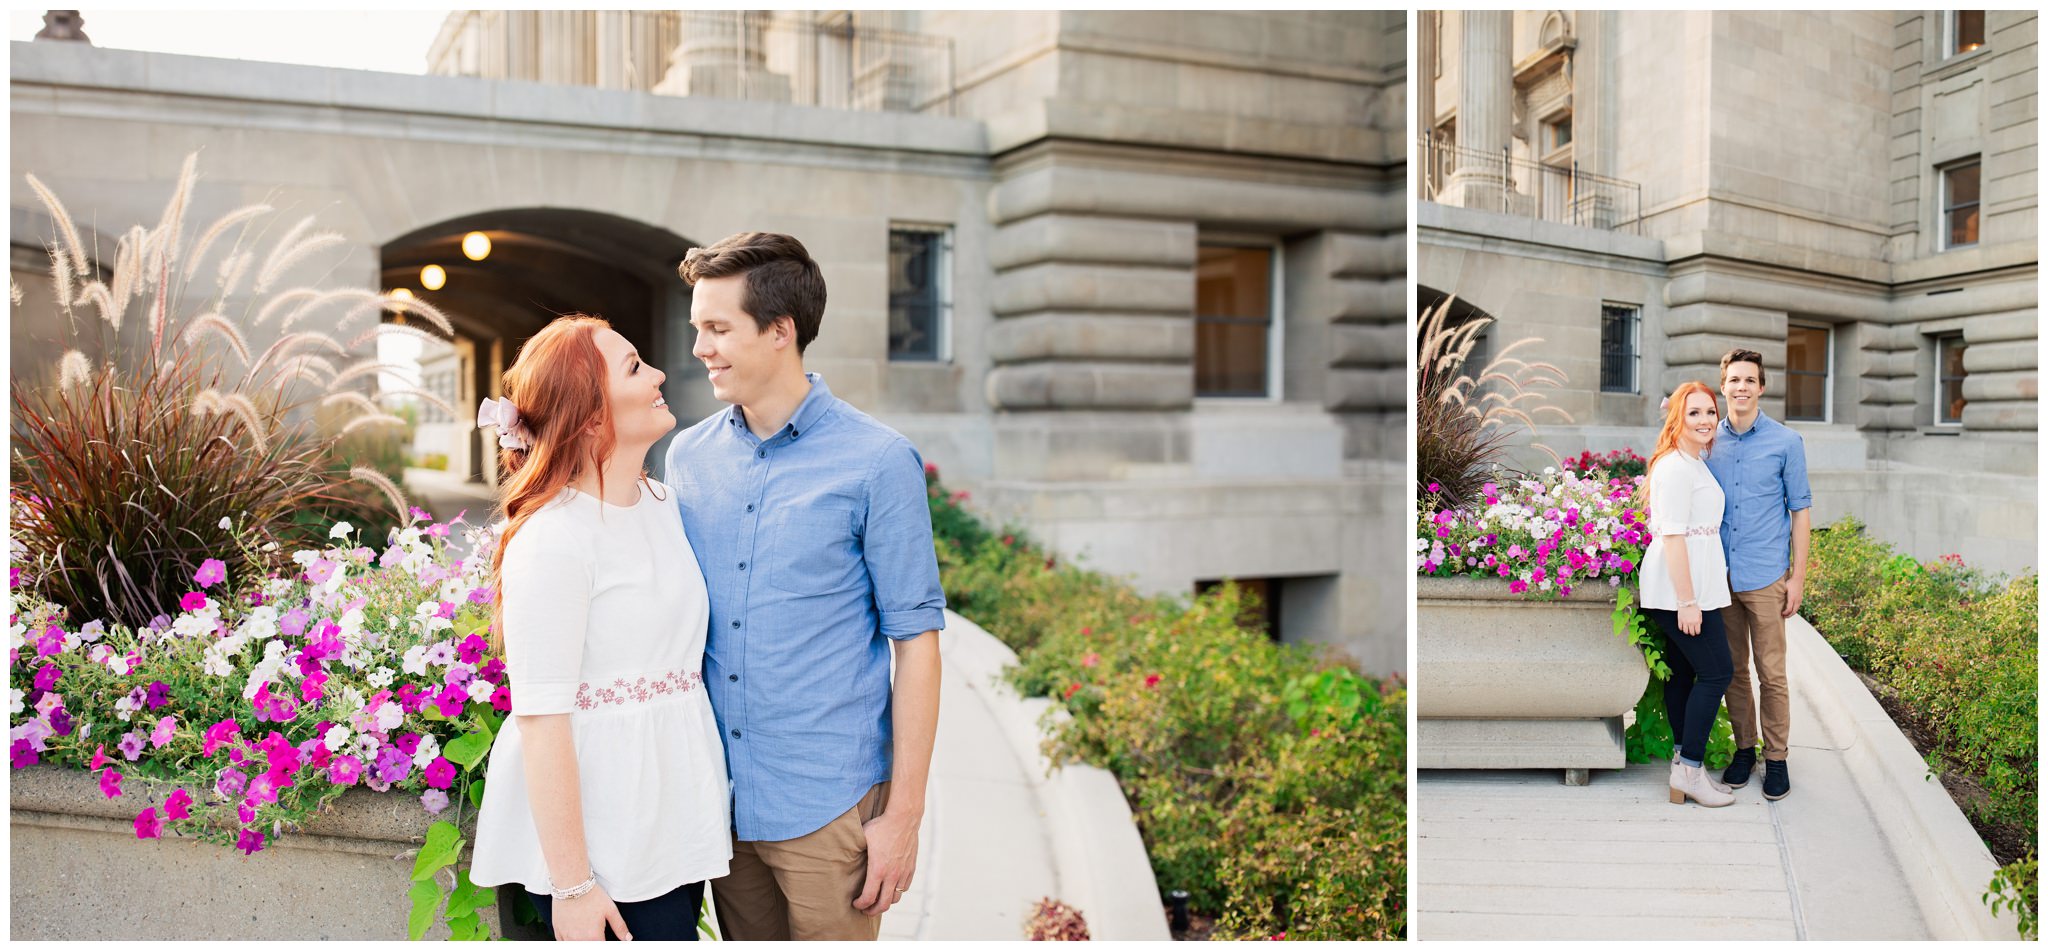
(1959, 203)
(1808, 359)
(1948, 379)
(1620, 336)
(920, 292)
(1233, 321)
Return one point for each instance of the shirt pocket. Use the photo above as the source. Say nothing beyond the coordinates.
(811, 551)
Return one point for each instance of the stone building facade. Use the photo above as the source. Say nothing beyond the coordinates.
(1851, 194)
(1133, 280)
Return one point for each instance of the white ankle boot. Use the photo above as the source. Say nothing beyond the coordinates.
(1717, 784)
(1692, 781)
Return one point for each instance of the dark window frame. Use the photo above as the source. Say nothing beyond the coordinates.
(1949, 206)
(1633, 355)
(1271, 371)
(1952, 33)
(1942, 344)
(940, 293)
(1826, 373)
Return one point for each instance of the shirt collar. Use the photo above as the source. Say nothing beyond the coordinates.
(1763, 420)
(809, 413)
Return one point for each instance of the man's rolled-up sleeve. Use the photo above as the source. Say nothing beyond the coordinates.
(897, 545)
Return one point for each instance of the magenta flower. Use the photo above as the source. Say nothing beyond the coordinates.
(320, 571)
(250, 842)
(47, 677)
(293, 622)
(175, 807)
(156, 694)
(314, 686)
(344, 770)
(131, 746)
(51, 641)
(99, 756)
(440, 773)
(245, 811)
(110, 783)
(451, 700)
(471, 649)
(22, 754)
(480, 595)
(211, 572)
(224, 732)
(501, 700)
(192, 601)
(434, 800)
(1518, 586)
(147, 825)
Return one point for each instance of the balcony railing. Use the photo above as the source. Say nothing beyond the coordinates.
(1497, 181)
(761, 55)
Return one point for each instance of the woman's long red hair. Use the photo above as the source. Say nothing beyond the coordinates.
(559, 385)
(1674, 420)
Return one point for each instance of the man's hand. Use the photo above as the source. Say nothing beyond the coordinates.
(892, 860)
(1795, 591)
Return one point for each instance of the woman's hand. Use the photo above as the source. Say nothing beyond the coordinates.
(583, 918)
(1689, 620)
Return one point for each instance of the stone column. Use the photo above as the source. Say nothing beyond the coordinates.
(1485, 110)
(724, 54)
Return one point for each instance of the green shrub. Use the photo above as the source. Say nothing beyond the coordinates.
(1269, 783)
(1957, 648)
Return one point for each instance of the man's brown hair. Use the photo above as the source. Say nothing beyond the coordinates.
(1739, 355)
(780, 279)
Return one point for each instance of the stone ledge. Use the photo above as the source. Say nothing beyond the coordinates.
(1098, 857)
(1943, 859)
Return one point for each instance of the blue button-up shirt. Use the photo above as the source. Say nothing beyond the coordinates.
(1763, 474)
(816, 546)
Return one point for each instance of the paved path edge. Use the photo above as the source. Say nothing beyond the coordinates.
(1098, 857)
(1943, 859)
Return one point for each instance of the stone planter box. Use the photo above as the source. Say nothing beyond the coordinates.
(1507, 683)
(79, 872)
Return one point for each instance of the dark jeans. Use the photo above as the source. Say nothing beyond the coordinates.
(670, 917)
(1700, 670)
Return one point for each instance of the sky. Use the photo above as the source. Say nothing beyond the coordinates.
(385, 40)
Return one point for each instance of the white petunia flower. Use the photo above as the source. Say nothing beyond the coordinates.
(415, 662)
(18, 705)
(340, 530)
(226, 522)
(381, 677)
(389, 716)
(337, 737)
(428, 749)
(480, 690)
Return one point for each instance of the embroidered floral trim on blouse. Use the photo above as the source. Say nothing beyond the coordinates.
(1707, 531)
(620, 693)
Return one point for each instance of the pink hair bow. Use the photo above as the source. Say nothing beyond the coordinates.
(512, 434)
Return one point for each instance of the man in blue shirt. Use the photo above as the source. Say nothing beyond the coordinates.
(1765, 527)
(810, 521)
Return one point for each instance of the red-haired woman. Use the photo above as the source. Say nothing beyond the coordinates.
(1685, 584)
(606, 795)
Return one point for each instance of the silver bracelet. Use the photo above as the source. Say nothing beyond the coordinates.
(1689, 604)
(564, 894)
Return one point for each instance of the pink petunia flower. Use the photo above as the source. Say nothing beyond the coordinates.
(211, 572)
(250, 842)
(434, 800)
(1091, 659)
(440, 773)
(344, 770)
(165, 729)
(1152, 680)
(99, 756)
(131, 746)
(147, 825)
(192, 601)
(110, 783)
(175, 807)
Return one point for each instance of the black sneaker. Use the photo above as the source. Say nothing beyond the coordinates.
(1777, 782)
(1736, 775)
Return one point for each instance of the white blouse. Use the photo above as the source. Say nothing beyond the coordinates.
(605, 617)
(1685, 500)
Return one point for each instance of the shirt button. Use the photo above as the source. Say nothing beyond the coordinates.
(735, 734)
(762, 453)
(735, 678)
(735, 624)
(750, 506)
(743, 566)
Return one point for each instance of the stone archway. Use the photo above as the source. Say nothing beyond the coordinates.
(543, 263)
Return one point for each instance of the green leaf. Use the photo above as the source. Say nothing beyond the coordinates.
(476, 792)
(468, 897)
(469, 927)
(426, 897)
(444, 843)
(468, 749)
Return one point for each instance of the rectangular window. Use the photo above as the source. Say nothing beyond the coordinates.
(1959, 201)
(1948, 379)
(1965, 29)
(1620, 333)
(920, 293)
(1557, 133)
(1234, 321)
(1808, 358)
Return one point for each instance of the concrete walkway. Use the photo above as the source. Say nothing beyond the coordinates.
(1865, 847)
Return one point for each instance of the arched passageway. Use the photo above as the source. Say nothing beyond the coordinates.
(540, 263)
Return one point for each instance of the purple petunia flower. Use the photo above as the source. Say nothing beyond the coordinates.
(434, 800)
(47, 677)
(293, 622)
(231, 783)
(392, 765)
(156, 694)
(131, 746)
(471, 649)
(451, 701)
(320, 571)
(22, 754)
(250, 842)
(211, 572)
(501, 700)
(60, 721)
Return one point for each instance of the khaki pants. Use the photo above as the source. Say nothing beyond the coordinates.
(803, 888)
(1756, 631)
